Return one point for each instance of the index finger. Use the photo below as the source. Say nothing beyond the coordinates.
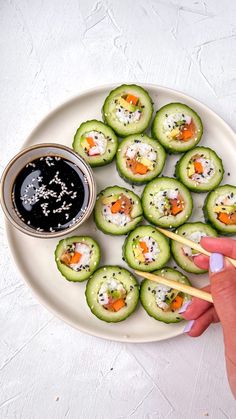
(223, 245)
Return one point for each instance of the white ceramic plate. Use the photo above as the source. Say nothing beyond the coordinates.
(35, 257)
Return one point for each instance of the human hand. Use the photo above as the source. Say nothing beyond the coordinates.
(201, 314)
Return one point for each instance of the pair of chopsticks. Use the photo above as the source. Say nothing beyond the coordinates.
(195, 292)
(187, 242)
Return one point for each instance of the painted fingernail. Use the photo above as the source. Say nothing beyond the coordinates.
(184, 307)
(216, 262)
(188, 326)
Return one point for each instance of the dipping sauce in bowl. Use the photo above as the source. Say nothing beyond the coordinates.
(47, 190)
(50, 193)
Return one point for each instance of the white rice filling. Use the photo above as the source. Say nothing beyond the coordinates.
(118, 219)
(153, 248)
(137, 150)
(127, 117)
(85, 252)
(208, 171)
(229, 199)
(159, 198)
(171, 120)
(100, 141)
(196, 238)
(161, 292)
(111, 284)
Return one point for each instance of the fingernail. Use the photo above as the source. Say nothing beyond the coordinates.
(184, 307)
(188, 326)
(216, 262)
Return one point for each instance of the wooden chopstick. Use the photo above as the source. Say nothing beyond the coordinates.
(195, 292)
(189, 243)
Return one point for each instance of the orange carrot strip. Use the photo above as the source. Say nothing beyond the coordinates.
(141, 168)
(131, 99)
(75, 258)
(176, 206)
(91, 141)
(143, 247)
(228, 219)
(116, 207)
(198, 167)
(187, 132)
(176, 303)
(118, 304)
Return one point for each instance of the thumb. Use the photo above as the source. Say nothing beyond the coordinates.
(223, 289)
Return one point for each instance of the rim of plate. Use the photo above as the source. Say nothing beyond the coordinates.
(9, 227)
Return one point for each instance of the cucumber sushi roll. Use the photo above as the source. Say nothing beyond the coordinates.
(220, 209)
(177, 127)
(95, 142)
(117, 210)
(184, 255)
(128, 109)
(140, 158)
(77, 257)
(146, 249)
(161, 302)
(166, 202)
(200, 169)
(112, 293)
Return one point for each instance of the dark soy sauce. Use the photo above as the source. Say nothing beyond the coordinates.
(50, 194)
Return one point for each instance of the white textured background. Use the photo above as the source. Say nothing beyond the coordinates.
(51, 50)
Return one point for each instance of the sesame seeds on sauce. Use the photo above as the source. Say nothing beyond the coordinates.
(50, 194)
